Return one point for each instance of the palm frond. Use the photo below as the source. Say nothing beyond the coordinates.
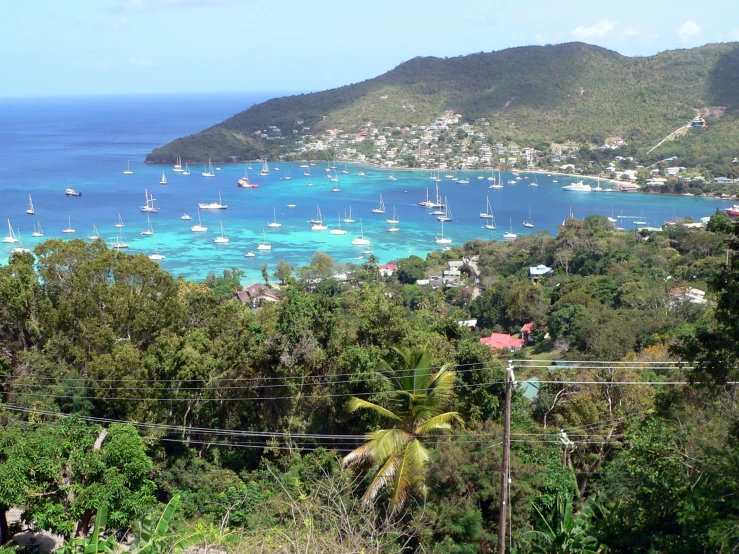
(439, 422)
(386, 442)
(383, 476)
(358, 456)
(355, 404)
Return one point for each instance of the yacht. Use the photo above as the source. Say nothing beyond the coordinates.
(529, 222)
(488, 213)
(490, 223)
(119, 223)
(128, 170)
(163, 180)
(274, 223)
(208, 170)
(597, 187)
(426, 203)
(381, 209)
(264, 245)
(348, 219)
(223, 239)
(95, 234)
(186, 170)
(178, 166)
(338, 230)
(156, 256)
(361, 174)
(199, 228)
(497, 184)
(185, 217)
(249, 254)
(442, 239)
(447, 216)
(149, 206)
(37, 230)
(30, 210)
(119, 243)
(11, 234)
(733, 211)
(393, 219)
(244, 182)
(71, 192)
(69, 229)
(510, 235)
(265, 169)
(393, 177)
(360, 240)
(149, 229)
(20, 249)
(287, 177)
(213, 205)
(579, 186)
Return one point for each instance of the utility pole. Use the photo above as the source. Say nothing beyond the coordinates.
(504, 477)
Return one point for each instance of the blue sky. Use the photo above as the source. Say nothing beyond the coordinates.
(52, 47)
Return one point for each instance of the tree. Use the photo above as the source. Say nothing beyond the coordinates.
(284, 271)
(565, 533)
(265, 273)
(417, 405)
(411, 270)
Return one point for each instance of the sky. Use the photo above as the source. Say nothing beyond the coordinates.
(97, 47)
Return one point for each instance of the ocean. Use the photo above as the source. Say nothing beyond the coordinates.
(48, 144)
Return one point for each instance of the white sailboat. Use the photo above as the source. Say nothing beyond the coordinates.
(208, 170)
(393, 222)
(128, 170)
(612, 219)
(178, 166)
(393, 177)
(120, 242)
(264, 245)
(497, 184)
(149, 229)
(11, 234)
(187, 169)
(37, 230)
(185, 217)
(223, 239)
(30, 210)
(426, 203)
(345, 171)
(529, 222)
(360, 240)
(95, 234)
(20, 249)
(492, 176)
(120, 221)
(393, 219)
(274, 223)
(199, 228)
(381, 209)
(447, 212)
(163, 180)
(265, 169)
(338, 230)
(149, 206)
(348, 219)
(156, 256)
(318, 222)
(510, 235)
(488, 210)
(69, 229)
(287, 177)
(490, 223)
(442, 239)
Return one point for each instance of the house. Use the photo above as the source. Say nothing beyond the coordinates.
(502, 341)
(526, 331)
(469, 323)
(723, 180)
(388, 269)
(539, 271)
(687, 294)
(255, 294)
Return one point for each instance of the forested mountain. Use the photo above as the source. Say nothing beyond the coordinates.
(530, 94)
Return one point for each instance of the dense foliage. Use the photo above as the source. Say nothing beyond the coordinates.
(123, 388)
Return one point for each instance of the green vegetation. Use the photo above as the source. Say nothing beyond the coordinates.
(133, 401)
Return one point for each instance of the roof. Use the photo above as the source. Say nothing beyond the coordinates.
(467, 323)
(528, 327)
(388, 266)
(501, 340)
(540, 269)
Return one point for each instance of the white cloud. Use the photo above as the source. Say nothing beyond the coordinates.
(540, 39)
(143, 62)
(631, 32)
(599, 29)
(688, 29)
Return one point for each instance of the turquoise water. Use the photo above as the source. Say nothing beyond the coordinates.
(45, 147)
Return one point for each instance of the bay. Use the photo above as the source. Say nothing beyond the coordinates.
(48, 144)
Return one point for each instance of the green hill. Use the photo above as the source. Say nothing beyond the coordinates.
(530, 94)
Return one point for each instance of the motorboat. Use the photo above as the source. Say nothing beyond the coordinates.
(71, 192)
(579, 186)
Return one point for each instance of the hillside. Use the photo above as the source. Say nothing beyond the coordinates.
(564, 92)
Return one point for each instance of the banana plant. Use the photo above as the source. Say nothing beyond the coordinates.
(565, 533)
(156, 539)
(92, 544)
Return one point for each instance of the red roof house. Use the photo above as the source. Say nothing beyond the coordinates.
(503, 341)
(388, 269)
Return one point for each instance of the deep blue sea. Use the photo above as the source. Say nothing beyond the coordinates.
(48, 144)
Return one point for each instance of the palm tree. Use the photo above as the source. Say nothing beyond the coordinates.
(416, 408)
(563, 532)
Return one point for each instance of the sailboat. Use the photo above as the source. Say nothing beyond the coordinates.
(437, 203)
(244, 182)
(360, 240)
(492, 176)
(11, 234)
(187, 169)
(265, 169)
(287, 177)
(640, 220)
(510, 234)
(338, 230)
(307, 171)
(149, 229)
(611, 218)
(345, 171)
(213, 205)
(490, 223)
(393, 219)
(199, 228)
(361, 174)
(178, 166)
(393, 177)
(274, 223)
(223, 239)
(497, 184)
(149, 206)
(318, 222)
(163, 180)
(95, 234)
(348, 219)
(20, 249)
(185, 217)
(208, 170)
(381, 209)
(535, 182)
(69, 229)
(464, 180)
(156, 256)
(488, 210)
(442, 239)
(426, 203)
(529, 223)
(37, 230)
(264, 245)
(30, 210)
(128, 170)
(447, 216)
(119, 244)
(335, 179)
